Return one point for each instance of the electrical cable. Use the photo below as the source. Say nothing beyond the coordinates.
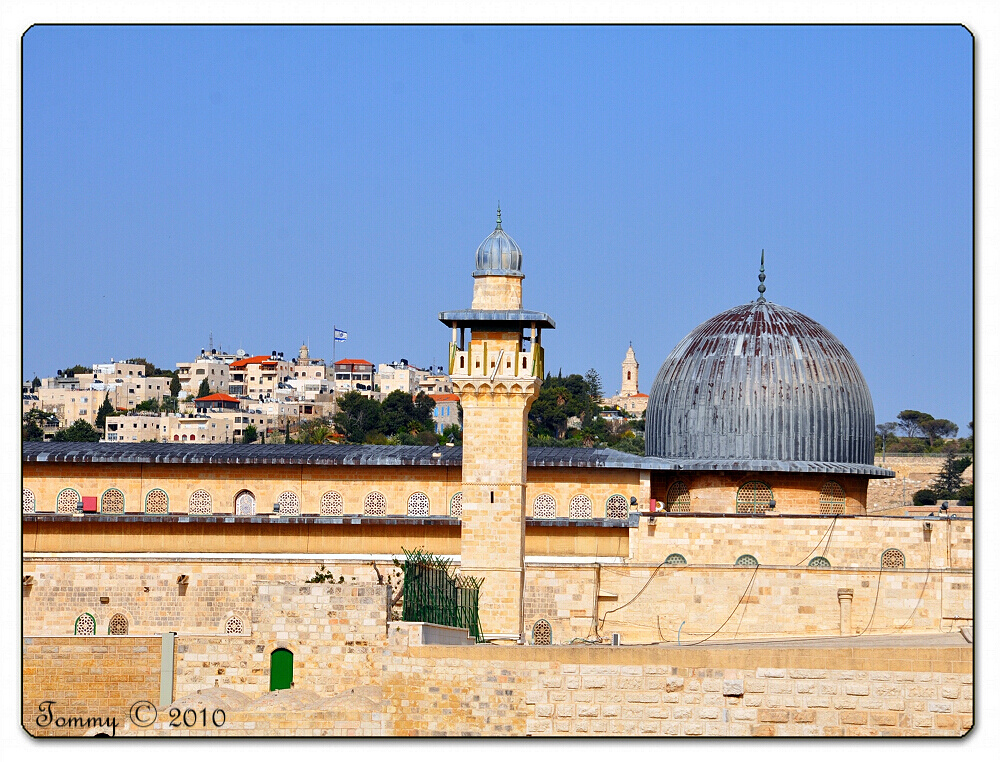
(612, 611)
(752, 577)
(878, 587)
(827, 532)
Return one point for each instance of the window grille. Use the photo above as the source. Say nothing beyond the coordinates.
(27, 501)
(157, 501)
(893, 559)
(678, 498)
(288, 504)
(118, 625)
(331, 504)
(246, 503)
(200, 503)
(541, 633)
(113, 501)
(67, 500)
(418, 505)
(375, 504)
(580, 507)
(616, 507)
(747, 560)
(456, 505)
(85, 625)
(234, 626)
(832, 500)
(544, 507)
(819, 563)
(675, 559)
(753, 497)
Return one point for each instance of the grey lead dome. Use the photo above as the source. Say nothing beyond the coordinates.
(498, 254)
(761, 382)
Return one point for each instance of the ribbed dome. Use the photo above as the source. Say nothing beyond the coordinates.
(498, 254)
(761, 382)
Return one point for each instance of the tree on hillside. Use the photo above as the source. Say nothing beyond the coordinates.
(911, 422)
(148, 406)
(31, 426)
(103, 412)
(151, 370)
(81, 431)
(938, 428)
(949, 480)
(175, 385)
(76, 370)
(595, 386)
(315, 431)
(204, 389)
(358, 417)
(250, 434)
(35, 383)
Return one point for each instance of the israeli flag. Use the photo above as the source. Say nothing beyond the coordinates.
(339, 335)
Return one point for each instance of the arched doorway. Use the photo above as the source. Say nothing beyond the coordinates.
(281, 669)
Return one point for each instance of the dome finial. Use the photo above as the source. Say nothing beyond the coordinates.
(761, 288)
(499, 227)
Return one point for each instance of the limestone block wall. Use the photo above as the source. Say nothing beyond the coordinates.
(913, 472)
(596, 485)
(793, 492)
(496, 292)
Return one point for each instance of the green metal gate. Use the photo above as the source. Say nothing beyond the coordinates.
(434, 592)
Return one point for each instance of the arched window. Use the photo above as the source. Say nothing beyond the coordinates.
(418, 505)
(832, 500)
(580, 507)
(200, 503)
(629, 375)
(455, 507)
(675, 559)
(246, 503)
(753, 497)
(66, 501)
(177, 438)
(819, 563)
(544, 507)
(118, 625)
(157, 501)
(288, 504)
(375, 504)
(85, 625)
(893, 558)
(616, 507)
(678, 498)
(234, 626)
(27, 501)
(112, 501)
(331, 504)
(747, 560)
(281, 669)
(541, 633)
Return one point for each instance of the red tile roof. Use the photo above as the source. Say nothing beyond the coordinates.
(218, 397)
(255, 360)
(445, 397)
(353, 362)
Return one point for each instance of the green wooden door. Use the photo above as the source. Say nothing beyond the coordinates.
(281, 669)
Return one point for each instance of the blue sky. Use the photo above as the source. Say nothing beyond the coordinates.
(266, 183)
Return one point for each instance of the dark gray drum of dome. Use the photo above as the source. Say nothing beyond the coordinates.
(761, 382)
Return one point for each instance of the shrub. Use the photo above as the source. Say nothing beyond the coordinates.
(965, 495)
(924, 497)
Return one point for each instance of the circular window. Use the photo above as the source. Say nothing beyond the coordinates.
(675, 559)
(746, 560)
(819, 562)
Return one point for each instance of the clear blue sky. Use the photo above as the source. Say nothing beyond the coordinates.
(266, 183)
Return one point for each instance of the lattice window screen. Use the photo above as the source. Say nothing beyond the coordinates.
(819, 563)
(27, 501)
(544, 507)
(118, 625)
(678, 498)
(375, 504)
(67, 500)
(541, 633)
(331, 504)
(832, 500)
(246, 503)
(85, 625)
(893, 559)
(753, 497)
(113, 501)
(156, 501)
(234, 626)
(675, 559)
(418, 505)
(746, 560)
(580, 507)
(456, 505)
(288, 504)
(616, 507)
(200, 503)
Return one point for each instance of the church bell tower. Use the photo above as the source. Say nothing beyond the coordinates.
(497, 372)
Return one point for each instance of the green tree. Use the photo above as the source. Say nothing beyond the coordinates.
(912, 421)
(81, 431)
(451, 431)
(169, 405)
(924, 497)
(204, 389)
(31, 425)
(151, 370)
(148, 406)
(358, 417)
(966, 494)
(175, 385)
(315, 431)
(635, 445)
(36, 382)
(103, 412)
(949, 479)
(594, 385)
(250, 434)
(938, 428)
(77, 370)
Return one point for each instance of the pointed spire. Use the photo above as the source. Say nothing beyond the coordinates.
(499, 226)
(761, 288)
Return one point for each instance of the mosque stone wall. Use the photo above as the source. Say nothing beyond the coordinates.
(913, 473)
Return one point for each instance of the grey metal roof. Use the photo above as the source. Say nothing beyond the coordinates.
(392, 455)
(761, 383)
(477, 317)
(498, 254)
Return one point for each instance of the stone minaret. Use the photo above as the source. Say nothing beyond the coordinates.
(630, 374)
(497, 372)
